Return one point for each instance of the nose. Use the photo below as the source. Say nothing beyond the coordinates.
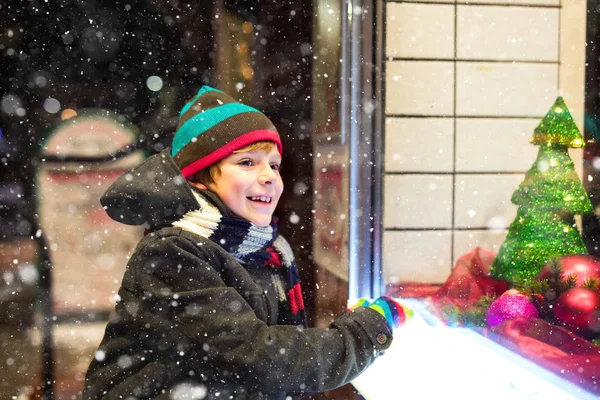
(267, 175)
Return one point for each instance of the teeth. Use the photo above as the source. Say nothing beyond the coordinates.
(264, 199)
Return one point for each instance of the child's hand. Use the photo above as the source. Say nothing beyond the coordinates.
(395, 313)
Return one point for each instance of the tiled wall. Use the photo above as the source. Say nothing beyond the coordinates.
(466, 82)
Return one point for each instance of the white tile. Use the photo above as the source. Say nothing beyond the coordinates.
(510, 2)
(417, 201)
(416, 256)
(505, 89)
(419, 144)
(507, 33)
(428, 1)
(573, 46)
(466, 241)
(577, 157)
(419, 88)
(515, 2)
(419, 30)
(495, 145)
(483, 201)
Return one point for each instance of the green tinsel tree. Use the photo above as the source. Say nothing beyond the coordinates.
(548, 199)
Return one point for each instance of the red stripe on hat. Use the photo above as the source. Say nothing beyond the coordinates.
(229, 148)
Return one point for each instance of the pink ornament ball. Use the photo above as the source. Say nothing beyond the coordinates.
(508, 307)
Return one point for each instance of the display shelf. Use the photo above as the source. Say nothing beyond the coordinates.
(428, 360)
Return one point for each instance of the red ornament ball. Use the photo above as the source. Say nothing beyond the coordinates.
(582, 266)
(578, 309)
(508, 307)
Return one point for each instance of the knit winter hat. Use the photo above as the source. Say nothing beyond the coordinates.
(212, 126)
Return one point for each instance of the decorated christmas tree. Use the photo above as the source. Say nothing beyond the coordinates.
(548, 199)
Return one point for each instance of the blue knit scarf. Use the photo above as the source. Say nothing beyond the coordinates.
(247, 242)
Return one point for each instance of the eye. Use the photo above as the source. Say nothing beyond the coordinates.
(275, 166)
(245, 163)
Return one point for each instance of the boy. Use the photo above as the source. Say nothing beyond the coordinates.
(210, 305)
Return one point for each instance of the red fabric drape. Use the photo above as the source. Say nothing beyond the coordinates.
(470, 280)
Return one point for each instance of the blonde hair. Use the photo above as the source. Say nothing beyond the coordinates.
(210, 174)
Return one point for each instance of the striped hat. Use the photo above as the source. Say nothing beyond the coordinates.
(212, 126)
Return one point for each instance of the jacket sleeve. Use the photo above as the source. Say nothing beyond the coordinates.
(188, 290)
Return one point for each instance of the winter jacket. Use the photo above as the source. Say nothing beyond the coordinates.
(192, 322)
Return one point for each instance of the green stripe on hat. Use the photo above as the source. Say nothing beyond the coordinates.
(221, 134)
(205, 120)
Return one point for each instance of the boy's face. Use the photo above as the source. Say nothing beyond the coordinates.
(249, 184)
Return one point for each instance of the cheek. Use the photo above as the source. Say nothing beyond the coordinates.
(234, 192)
(237, 193)
(238, 185)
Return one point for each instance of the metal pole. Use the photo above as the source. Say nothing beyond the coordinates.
(363, 270)
(45, 308)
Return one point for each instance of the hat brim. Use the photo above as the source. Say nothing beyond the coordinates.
(236, 144)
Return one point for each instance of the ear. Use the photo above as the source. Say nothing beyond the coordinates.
(198, 185)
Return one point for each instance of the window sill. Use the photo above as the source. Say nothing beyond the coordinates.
(429, 360)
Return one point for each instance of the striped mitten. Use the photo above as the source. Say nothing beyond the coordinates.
(362, 302)
(395, 313)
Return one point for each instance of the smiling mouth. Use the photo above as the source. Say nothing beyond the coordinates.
(261, 199)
